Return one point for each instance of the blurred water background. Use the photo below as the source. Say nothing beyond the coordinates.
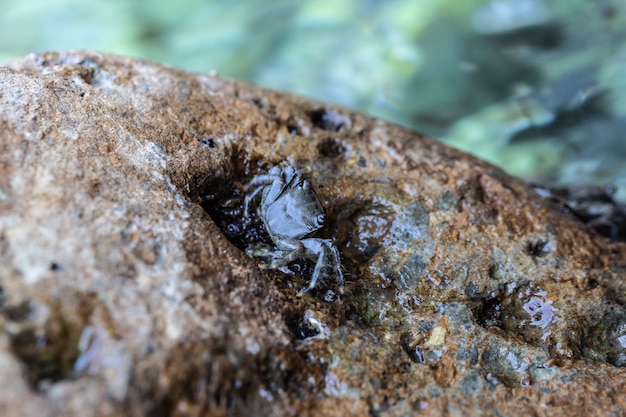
(535, 87)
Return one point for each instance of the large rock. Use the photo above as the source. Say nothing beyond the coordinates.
(125, 288)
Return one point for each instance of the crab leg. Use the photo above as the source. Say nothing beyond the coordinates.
(321, 261)
(336, 264)
(261, 182)
(327, 255)
(290, 250)
(250, 197)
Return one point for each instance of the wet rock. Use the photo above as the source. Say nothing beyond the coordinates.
(125, 288)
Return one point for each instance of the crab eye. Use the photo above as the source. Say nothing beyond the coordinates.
(321, 219)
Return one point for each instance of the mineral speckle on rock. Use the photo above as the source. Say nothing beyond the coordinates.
(125, 288)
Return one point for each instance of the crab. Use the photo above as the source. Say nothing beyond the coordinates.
(291, 213)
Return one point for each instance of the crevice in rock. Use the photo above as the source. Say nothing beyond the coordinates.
(223, 200)
(539, 248)
(488, 313)
(329, 120)
(48, 353)
(330, 148)
(301, 327)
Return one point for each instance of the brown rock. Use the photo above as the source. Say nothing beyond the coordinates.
(124, 289)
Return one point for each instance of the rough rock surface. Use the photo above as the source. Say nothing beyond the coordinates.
(125, 288)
